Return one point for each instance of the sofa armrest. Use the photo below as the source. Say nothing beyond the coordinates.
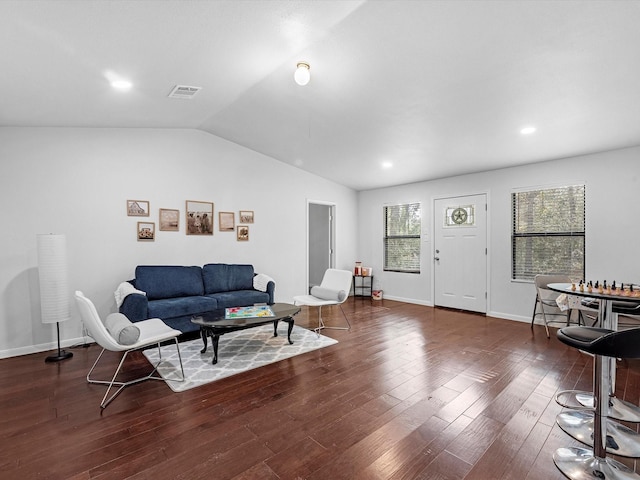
(135, 307)
(271, 290)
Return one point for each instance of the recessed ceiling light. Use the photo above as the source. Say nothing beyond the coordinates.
(528, 130)
(121, 84)
(387, 164)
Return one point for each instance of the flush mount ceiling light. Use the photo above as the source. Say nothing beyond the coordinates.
(302, 74)
(528, 130)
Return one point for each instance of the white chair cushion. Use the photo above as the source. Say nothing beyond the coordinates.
(328, 293)
(121, 329)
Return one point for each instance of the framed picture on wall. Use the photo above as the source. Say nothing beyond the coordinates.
(226, 221)
(146, 231)
(246, 216)
(137, 208)
(199, 218)
(169, 220)
(242, 234)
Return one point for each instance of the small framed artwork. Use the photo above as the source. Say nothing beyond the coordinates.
(226, 221)
(242, 234)
(169, 220)
(246, 216)
(146, 231)
(137, 208)
(199, 218)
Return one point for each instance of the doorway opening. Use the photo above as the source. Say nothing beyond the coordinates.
(321, 240)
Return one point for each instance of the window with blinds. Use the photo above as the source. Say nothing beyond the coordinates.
(402, 227)
(548, 232)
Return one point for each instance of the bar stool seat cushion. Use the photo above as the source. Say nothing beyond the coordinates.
(601, 341)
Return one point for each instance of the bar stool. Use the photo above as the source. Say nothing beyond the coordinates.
(581, 463)
(577, 399)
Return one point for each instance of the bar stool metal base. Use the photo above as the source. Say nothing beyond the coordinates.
(621, 440)
(579, 464)
(618, 409)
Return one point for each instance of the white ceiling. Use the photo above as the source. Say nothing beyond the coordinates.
(438, 88)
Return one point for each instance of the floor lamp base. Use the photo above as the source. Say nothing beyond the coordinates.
(62, 355)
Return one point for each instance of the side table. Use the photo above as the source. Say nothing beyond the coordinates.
(362, 287)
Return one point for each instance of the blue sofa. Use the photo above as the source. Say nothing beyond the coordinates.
(176, 293)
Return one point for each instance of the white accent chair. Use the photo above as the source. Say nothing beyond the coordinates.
(336, 281)
(153, 331)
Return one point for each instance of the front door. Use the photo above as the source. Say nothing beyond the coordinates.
(460, 253)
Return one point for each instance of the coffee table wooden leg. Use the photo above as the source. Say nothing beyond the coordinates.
(289, 320)
(214, 341)
(203, 334)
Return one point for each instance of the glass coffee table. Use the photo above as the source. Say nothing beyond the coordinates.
(214, 324)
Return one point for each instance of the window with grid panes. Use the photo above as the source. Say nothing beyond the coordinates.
(548, 232)
(402, 227)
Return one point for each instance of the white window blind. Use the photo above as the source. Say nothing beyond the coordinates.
(548, 232)
(402, 227)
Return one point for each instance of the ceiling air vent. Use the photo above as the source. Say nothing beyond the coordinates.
(184, 91)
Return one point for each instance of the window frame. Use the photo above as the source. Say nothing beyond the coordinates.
(399, 237)
(519, 271)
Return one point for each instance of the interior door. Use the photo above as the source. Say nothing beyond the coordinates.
(320, 241)
(460, 253)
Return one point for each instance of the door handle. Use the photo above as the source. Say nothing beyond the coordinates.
(436, 258)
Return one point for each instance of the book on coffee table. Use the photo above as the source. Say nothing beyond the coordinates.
(249, 312)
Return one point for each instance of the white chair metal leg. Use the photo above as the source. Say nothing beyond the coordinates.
(322, 325)
(114, 383)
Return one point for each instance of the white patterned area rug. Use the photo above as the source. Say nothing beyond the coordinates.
(237, 352)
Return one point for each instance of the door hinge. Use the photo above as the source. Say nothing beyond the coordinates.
(486, 251)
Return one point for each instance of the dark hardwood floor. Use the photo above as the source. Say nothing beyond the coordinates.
(411, 392)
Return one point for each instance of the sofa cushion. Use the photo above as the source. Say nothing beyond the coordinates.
(176, 307)
(239, 298)
(160, 281)
(222, 277)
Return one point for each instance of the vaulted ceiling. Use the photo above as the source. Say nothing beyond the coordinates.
(433, 88)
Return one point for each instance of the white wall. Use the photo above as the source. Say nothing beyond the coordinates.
(76, 181)
(612, 223)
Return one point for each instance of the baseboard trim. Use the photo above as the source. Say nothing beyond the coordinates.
(408, 300)
(508, 316)
(43, 347)
(504, 316)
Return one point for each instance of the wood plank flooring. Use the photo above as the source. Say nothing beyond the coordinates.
(411, 392)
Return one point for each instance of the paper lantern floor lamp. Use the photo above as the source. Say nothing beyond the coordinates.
(54, 285)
